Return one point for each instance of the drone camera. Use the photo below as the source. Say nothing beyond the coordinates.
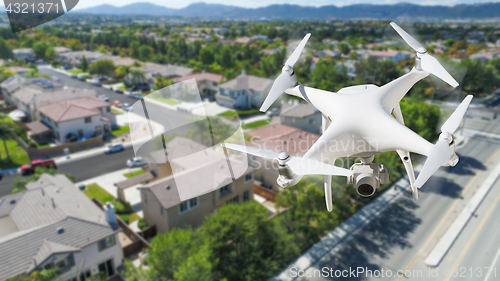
(367, 178)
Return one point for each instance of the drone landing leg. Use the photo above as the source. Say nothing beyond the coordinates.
(328, 193)
(405, 157)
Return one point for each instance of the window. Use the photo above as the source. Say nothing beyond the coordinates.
(246, 195)
(88, 119)
(225, 190)
(63, 262)
(188, 205)
(108, 109)
(248, 177)
(312, 121)
(107, 267)
(235, 199)
(85, 275)
(106, 242)
(293, 120)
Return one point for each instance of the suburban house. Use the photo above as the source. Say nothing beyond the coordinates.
(277, 137)
(61, 50)
(395, 56)
(19, 70)
(26, 54)
(244, 91)
(207, 82)
(326, 53)
(152, 70)
(486, 56)
(303, 116)
(78, 118)
(54, 225)
(161, 199)
(74, 58)
(350, 67)
(9, 86)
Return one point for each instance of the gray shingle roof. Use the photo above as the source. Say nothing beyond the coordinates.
(49, 204)
(300, 110)
(248, 82)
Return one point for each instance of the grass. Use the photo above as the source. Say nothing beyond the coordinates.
(256, 124)
(128, 219)
(165, 100)
(123, 88)
(120, 130)
(74, 71)
(18, 155)
(116, 111)
(249, 112)
(134, 173)
(42, 145)
(93, 190)
(229, 113)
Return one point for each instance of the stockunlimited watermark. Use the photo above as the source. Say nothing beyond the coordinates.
(25, 14)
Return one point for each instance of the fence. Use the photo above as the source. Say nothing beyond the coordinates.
(47, 152)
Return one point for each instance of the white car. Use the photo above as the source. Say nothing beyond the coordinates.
(114, 148)
(136, 162)
(127, 107)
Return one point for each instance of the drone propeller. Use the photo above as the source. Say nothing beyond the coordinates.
(299, 165)
(427, 62)
(440, 152)
(285, 81)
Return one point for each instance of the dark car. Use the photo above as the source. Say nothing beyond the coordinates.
(81, 78)
(119, 91)
(74, 76)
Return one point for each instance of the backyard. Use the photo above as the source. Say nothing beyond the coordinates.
(118, 131)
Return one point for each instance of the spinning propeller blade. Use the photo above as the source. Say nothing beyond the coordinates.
(299, 165)
(284, 80)
(440, 153)
(428, 63)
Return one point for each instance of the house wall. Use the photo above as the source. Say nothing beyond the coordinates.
(266, 174)
(72, 126)
(90, 257)
(310, 123)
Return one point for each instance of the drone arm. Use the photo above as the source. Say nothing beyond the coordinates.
(394, 91)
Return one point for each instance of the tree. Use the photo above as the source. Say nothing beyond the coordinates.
(40, 48)
(122, 71)
(51, 54)
(102, 67)
(207, 56)
(134, 49)
(6, 133)
(343, 48)
(28, 43)
(197, 267)
(137, 76)
(243, 242)
(5, 50)
(84, 64)
(145, 52)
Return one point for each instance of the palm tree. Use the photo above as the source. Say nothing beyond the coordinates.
(6, 133)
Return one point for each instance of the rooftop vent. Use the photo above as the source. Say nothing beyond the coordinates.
(60, 230)
(168, 187)
(12, 202)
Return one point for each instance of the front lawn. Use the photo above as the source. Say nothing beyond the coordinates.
(123, 88)
(74, 71)
(18, 155)
(116, 111)
(134, 173)
(164, 100)
(95, 191)
(229, 113)
(118, 131)
(256, 124)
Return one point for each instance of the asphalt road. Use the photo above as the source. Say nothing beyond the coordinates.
(403, 235)
(98, 165)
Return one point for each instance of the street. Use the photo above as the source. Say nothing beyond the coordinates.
(102, 164)
(402, 236)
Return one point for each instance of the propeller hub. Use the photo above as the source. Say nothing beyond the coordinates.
(421, 50)
(283, 158)
(445, 136)
(287, 68)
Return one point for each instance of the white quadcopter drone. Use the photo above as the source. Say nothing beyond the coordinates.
(358, 122)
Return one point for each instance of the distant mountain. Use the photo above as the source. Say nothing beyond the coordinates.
(290, 12)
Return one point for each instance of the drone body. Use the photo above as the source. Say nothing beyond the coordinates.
(358, 122)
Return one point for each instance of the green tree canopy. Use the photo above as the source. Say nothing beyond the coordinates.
(102, 67)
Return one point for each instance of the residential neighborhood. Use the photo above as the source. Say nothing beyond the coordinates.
(111, 164)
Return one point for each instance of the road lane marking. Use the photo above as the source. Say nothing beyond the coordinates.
(436, 229)
(471, 240)
(492, 264)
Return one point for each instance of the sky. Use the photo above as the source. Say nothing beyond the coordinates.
(262, 3)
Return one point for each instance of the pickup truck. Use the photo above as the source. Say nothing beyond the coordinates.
(30, 168)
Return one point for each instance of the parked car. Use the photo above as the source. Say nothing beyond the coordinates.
(81, 78)
(74, 76)
(127, 107)
(273, 112)
(1, 175)
(119, 91)
(103, 97)
(55, 78)
(114, 148)
(141, 87)
(135, 96)
(97, 83)
(30, 168)
(117, 103)
(136, 162)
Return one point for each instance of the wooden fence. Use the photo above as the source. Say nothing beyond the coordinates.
(47, 152)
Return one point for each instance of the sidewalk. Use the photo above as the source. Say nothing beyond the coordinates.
(107, 181)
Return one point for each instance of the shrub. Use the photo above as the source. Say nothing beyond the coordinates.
(122, 207)
(142, 224)
(124, 218)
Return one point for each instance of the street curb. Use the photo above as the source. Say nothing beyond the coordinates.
(341, 233)
(442, 247)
